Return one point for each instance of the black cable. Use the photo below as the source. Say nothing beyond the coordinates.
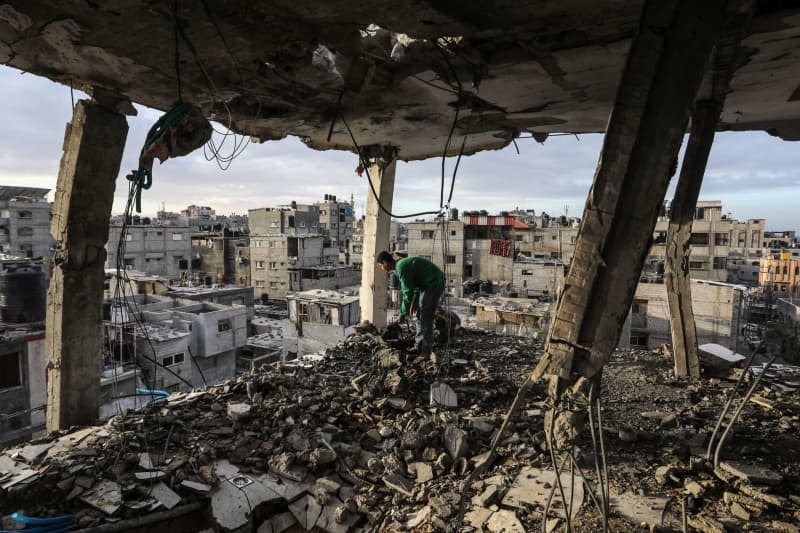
(365, 165)
(177, 48)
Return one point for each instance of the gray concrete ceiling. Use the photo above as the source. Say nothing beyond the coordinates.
(392, 69)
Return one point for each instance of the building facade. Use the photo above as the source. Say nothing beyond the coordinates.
(715, 236)
(336, 221)
(780, 274)
(222, 256)
(152, 249)
(718, 313)
(25, 222)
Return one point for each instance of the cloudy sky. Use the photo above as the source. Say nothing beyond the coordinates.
(755, 175)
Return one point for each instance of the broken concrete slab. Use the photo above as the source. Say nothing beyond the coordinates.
(334, 518)
(504, 521)
(306, 511)
(477, 517)
(532, 487)
(195, 486)
(149, 476)
(424, 471)
(277, 523)
(442, 395)
(106, 496)
(165, 495)
(455, 441)
(400, 484)
(751, 473)
(639, 509)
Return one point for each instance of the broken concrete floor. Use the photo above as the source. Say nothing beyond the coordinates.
(354, 444)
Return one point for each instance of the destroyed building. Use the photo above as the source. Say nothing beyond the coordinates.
(25, 222)
(780, 274)
(412, 81)
(224, 257)
(320, 319)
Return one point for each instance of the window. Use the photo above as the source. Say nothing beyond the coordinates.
(639, 340)
(427, 234)
(273, 225)
(257, 244)
(175, 359)
(129, 237)
(224, 325)
(25, 232)
(25, 214)
(259, 264)
(130, 263)
(260, 284)
(273, 265)
(700, 239)
(273, 284)
(720, 262)
(720, 239)
(333, 225)
(518, 238)
(696, 265)
(426, 257)
(10, 370)
(451, 260)
(797, 271)
(272, 244)
(527, 273)
(302, 224)
(639, 307)
(538, 238)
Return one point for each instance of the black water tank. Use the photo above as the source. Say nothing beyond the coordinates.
(23, 294)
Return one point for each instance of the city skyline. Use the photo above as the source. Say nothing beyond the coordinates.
(753, 174)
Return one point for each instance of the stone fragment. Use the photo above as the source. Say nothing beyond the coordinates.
(706, 524)
(441, 507)
(751, 473)
(328, 485)
(784, 527)
(455, 441)
(442, 395)
(334, 517)
(694, 488)
(149, 476)
(400, 484)
(106, 496)
(195, 486)
(489, 496)
(165, 495)
(412, 440)
(306, 511)
(400, 404)
(482, 425)
(298, 441)
(477, 517)
(85, 482)
(423, 470)
(740, 512)
(665, 474)
(669, 421)
(321, 457)
(504, 521)
(760, 494)
(65, 485)
(238, 411)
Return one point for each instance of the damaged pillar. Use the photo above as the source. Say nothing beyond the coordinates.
(663, 71)
(676, 271)
(704, 122)
(377, 237)
(93, 146)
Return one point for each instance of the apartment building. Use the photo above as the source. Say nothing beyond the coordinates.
(780, 273)
(336, 221)
(160, 250)
(25, 222)
(176, 339)
(717, 311)
(715, 236)
(289, 254)
(222, 256)
(443, 243)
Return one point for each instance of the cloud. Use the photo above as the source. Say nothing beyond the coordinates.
(755, 175)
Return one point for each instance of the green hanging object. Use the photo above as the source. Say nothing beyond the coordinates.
(180, 131)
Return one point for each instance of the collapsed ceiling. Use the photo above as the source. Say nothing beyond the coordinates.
(410, 73)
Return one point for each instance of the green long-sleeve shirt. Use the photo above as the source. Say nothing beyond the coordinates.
(416, 275)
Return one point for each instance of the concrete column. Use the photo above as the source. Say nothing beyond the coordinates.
(704, 122)
(676, 272)
(93, 146)
(663, 72)
(377, 230)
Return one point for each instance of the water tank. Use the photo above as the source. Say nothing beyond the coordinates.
(454, 214)
(23, 294)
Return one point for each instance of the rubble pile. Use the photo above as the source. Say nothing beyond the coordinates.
(368, 438)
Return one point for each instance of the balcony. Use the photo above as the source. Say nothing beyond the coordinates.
(3, 222)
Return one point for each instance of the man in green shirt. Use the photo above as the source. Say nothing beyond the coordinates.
(421, 285)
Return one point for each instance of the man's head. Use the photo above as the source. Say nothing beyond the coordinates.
(385, 261)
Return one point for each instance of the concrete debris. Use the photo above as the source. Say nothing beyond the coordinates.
(352, 442)
(504, 522)
(751, 473)
(106, 496)
(640, 509)
(532, 487)
(443, 395)
(165, 496)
